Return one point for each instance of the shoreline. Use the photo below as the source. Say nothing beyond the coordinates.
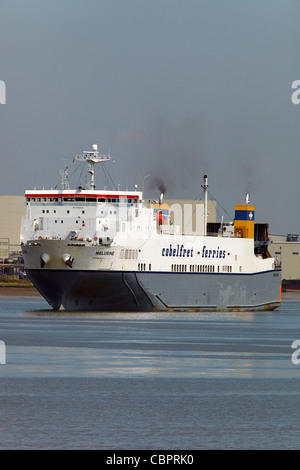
(19, 291)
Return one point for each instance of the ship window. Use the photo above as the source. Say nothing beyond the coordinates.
(54, 211)
(43, 211)
(149, 267)
(295, 253)
(61, 221)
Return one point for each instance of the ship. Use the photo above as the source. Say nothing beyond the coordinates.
(112, 250)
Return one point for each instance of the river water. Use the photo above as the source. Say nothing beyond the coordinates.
(148, 381)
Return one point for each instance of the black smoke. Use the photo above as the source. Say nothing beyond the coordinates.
(178, 165)
(158, 183)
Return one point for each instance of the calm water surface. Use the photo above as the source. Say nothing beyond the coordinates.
(149, 380)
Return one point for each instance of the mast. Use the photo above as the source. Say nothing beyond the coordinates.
(205, 187)
(64, 178)
(92, 157)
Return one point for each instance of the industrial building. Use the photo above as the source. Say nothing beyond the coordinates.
(286, 251)
(184, 214)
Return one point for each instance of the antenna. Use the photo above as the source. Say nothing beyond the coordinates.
(92, 157)
(205, 187)
(64, 178)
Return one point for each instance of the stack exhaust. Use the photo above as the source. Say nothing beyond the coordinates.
(244, 219)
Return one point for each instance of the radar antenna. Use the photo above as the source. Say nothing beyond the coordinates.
(92, 157)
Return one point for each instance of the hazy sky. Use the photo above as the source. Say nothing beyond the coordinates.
(174, 88)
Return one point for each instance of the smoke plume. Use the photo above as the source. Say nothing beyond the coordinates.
(178, 165)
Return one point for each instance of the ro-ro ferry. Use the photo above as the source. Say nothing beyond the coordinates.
(104, 250)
